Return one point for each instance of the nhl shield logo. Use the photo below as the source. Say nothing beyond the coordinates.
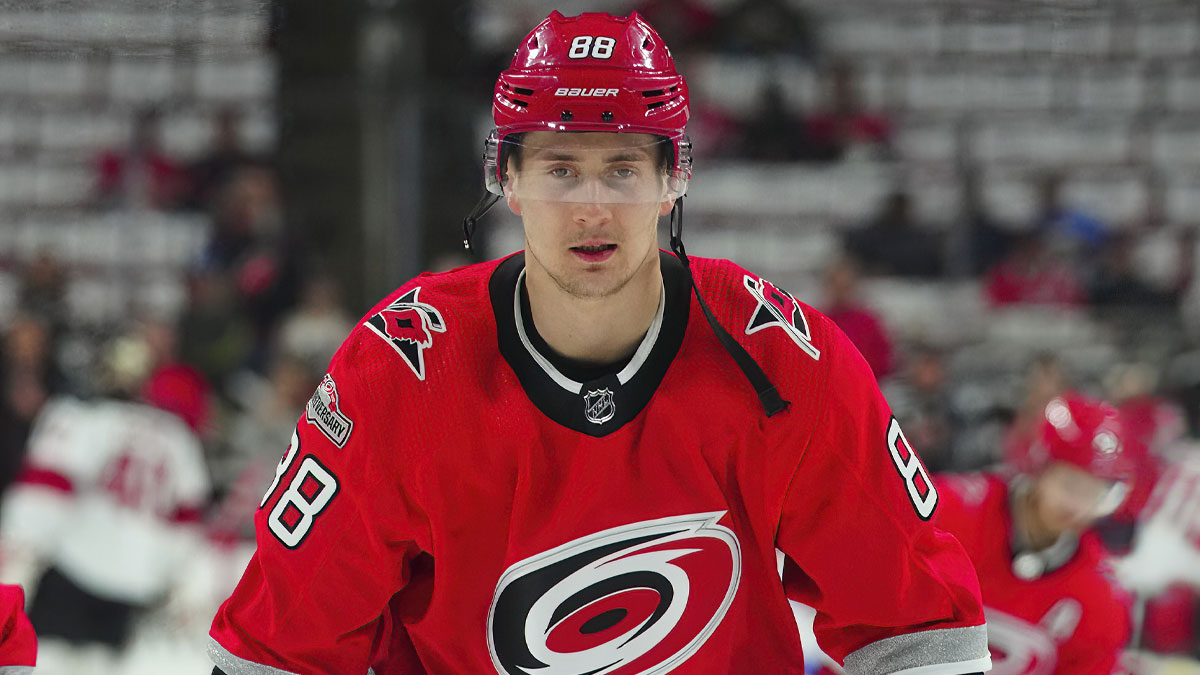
(598, 406)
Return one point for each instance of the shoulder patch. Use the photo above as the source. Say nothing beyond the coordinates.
(408, 326)
(777, 307)
(324, 411)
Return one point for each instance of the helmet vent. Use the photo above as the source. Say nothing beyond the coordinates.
(522, 91)
(653, 92)
(647, 43)
(659, 104)
(512, 101)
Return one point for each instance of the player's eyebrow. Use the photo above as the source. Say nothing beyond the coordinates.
(566, 156)
(629, 157)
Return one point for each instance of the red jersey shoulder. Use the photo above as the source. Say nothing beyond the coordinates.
(18, 643)
(420, 320)
(759, 313)
(397, 346)
(1102, 582)
(971, 494)
(1104, 616)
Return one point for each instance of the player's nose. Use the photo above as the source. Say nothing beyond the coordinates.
(591, 213)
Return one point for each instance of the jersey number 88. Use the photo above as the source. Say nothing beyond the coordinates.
(310, 492)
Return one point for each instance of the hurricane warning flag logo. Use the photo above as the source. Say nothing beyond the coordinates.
(640, 598)
(408, 326)
(777, 307)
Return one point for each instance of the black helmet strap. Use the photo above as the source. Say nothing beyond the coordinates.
(768, 395)
(486, 202)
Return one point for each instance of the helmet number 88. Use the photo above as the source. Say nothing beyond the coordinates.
(584, 46)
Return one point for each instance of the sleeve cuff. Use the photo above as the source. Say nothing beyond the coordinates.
(945, 651)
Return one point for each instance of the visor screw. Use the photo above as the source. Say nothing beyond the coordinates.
(606, 115)
(566, 115)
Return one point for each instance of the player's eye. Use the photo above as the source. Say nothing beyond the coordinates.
(560, 172)
(624, 172)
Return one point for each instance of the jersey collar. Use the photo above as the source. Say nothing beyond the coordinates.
(599, 406)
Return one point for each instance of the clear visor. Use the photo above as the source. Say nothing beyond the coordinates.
(1113, 497)
(1083, 493)
(585, 167)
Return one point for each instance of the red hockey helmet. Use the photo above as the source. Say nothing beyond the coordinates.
(592, 72)
(1087, 434)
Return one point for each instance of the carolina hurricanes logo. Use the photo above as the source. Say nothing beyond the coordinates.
(1022, 648)
(640, 598)
(777, 307)
(1018, 647)
(406, 325)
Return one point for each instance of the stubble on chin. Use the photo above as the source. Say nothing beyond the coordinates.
(578, 285)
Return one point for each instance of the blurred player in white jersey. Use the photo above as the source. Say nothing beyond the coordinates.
(96, 526)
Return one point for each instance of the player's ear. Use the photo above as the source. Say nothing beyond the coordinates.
(510, 192)
(665, 207)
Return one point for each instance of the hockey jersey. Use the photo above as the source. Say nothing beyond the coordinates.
(105, 487)
(454, 501)
(18, 644)
(1072, 620)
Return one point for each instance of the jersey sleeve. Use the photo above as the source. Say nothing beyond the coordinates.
(1103, 632)
(18, 643)
(192, 487)
(336, 538)
(892, 593)
(36, 507)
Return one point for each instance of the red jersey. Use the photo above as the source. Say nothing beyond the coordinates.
(458, 499)
(18, 644)
(1071, 620)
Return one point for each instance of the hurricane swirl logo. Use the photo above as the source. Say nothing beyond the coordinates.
(1018, 647)
(640, 598)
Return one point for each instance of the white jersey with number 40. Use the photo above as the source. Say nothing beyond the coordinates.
(106, 486)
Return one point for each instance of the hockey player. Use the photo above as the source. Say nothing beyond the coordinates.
(1051, 603)
(557, 462)
(99, 522)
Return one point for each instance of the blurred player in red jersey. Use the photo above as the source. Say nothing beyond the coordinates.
(564, 461)
(1051, 603)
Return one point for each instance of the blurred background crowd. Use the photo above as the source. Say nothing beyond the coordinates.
(997, 201)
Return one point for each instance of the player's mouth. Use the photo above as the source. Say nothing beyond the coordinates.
(594, 253)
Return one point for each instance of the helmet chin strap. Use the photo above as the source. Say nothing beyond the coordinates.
(486, 202)
(768, 395)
